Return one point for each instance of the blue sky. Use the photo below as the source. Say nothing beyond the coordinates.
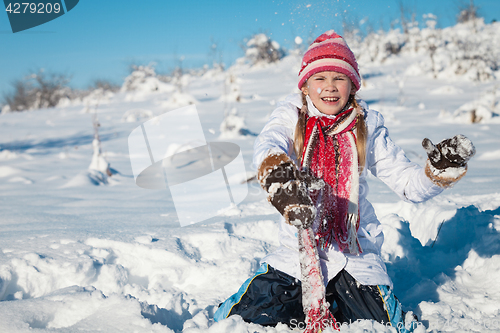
(100, 39)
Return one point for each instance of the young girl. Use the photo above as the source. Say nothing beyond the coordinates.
(312, 157)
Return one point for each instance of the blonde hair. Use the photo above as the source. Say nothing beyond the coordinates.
(361, 132)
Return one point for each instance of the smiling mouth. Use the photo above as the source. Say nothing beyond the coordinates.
(330, 99)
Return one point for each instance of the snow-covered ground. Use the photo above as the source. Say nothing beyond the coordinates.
(82, 252)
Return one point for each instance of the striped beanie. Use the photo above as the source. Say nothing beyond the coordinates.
(329, 52)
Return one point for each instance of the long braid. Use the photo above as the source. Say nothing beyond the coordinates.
(361, 138)
(300, 130)
(361, 135)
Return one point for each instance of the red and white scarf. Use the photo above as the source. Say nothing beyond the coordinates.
(331, 155)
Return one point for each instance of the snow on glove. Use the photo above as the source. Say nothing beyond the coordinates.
(448, 159)
(311, 181)
(287, 189)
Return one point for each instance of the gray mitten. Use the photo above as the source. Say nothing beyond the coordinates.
(447, 161)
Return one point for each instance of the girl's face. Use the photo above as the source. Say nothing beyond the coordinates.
(329, 91)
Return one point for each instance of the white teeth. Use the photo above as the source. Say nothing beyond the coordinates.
(328, 99)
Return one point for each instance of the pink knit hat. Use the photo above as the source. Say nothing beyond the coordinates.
(329, 52)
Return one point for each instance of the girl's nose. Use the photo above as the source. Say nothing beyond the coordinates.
(330, 85)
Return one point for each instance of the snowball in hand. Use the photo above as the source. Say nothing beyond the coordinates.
(453, 152)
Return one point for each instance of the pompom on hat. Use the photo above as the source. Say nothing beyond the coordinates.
(329, 52)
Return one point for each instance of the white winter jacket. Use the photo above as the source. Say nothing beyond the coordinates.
(385, 160)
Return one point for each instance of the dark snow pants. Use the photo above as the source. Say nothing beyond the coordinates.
(272, 296)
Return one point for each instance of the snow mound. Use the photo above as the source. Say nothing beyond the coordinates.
(6, 171)
(87, 178)
(474, 112)
(90, 101)
(486, 109)
(146, 239)
(426, 218)
(232, 89)
(135, 115)
(233, 126)
(442, 279)
(20, 180)
(179, 99)
(5, 109)
(142, 82)
(76, 309)
(490, 156)
(8, 155)
(152, 281)
(470, 313)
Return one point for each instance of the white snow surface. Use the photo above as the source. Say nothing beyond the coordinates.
(79, 257)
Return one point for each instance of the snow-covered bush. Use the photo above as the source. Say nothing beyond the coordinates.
(473, 112)
(232, 89)
(5, 109)
(179, 99)
(486, 109)
(91, 98)
(261, 49)
(134, 115)
(378, 46)
(99, 170)
(233, 126)
(99, 162)
(143, 79)
(468, 50)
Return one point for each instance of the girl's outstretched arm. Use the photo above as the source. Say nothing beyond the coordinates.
(388, 162)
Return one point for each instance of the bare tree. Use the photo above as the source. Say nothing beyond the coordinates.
(402, 16)
(38, 90)
(467, 12)
(178, 72)
(50, 88)
(215, 54)
(408, 17)
(105, 85)
(22, 97)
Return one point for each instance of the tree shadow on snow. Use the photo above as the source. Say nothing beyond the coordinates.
(417, 276)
